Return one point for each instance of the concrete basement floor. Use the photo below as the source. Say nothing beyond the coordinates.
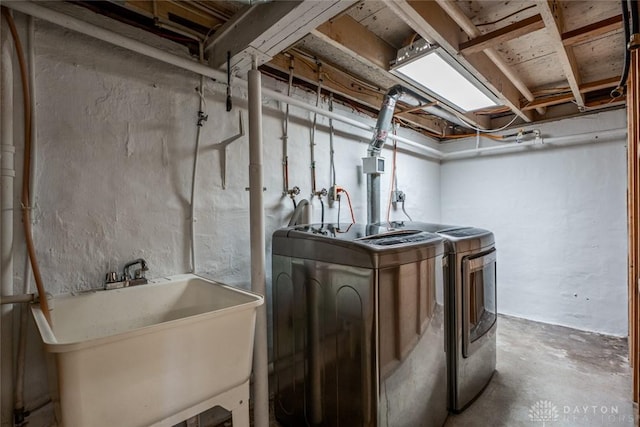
(574, 378)
(583, 378)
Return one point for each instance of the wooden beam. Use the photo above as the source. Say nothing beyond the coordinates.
(431, 21)
(590, 31)
(547, 101)
(349, 36)
(611, 82)
(261, 31)
(551, 12)
(162, 9)
(343, 84)
(605, 102)
(510, 32)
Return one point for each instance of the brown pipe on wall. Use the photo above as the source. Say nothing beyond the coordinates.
(26, 169)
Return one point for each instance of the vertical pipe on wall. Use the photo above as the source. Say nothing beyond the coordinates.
(6, 227)
(633, 212)
(256, 218)
(19, 405)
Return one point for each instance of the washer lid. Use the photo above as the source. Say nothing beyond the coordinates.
(368, 246)
(458, 238)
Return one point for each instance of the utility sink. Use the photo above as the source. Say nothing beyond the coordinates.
(154, 354)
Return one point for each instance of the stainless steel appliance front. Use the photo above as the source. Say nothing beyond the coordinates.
(470, 278)
(358, 327)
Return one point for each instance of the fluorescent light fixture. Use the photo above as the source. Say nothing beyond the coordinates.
(433, 70)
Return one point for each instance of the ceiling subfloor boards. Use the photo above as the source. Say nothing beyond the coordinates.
(510, 32)
(431, 21)
(600, 28)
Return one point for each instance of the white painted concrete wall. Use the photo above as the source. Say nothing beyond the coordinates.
(116, 136)
(559, 217)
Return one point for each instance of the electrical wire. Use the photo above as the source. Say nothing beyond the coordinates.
(353, 217)
(285, 137)
(505, 17)
(393, 173)
(312, 143)
(619, 90)
(201, 118)
(487, 130)
(405, 212)
(322, 215)
(26, 168)
(339, 204)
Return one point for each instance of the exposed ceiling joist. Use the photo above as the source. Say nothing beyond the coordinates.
(562, 98)
(263, 30)
(165, 10)
(343, 84)
(431, 21)
(510, 32)
(349, 36)
(610, 83)
(551, 12)
(590, 31)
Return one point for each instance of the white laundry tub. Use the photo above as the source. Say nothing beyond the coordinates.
(154, 354)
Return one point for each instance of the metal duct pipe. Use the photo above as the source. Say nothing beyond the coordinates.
(258, 280)
(380, 134)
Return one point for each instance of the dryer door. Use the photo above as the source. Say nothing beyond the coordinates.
(478, 299)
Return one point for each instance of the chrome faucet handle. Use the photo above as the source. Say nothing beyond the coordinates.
(125, 271)
(111, 277)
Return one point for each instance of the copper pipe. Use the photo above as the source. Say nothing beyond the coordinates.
(26, 168)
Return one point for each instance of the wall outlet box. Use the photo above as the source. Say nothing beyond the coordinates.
(373, 165)
(397, 196)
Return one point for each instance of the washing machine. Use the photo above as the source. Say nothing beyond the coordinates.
(358, 326)
(470, 277)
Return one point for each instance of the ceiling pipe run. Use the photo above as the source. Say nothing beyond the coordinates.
(99, 33)
(539, 143)
(380, 134)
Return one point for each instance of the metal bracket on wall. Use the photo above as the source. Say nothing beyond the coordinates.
(222, 147)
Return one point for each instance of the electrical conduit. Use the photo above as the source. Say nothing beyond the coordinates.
(201, 118)
(258, 280)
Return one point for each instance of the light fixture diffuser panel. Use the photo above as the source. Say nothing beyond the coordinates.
(439, 77)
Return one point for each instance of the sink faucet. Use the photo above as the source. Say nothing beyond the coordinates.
(112, 281)
(138, 277)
